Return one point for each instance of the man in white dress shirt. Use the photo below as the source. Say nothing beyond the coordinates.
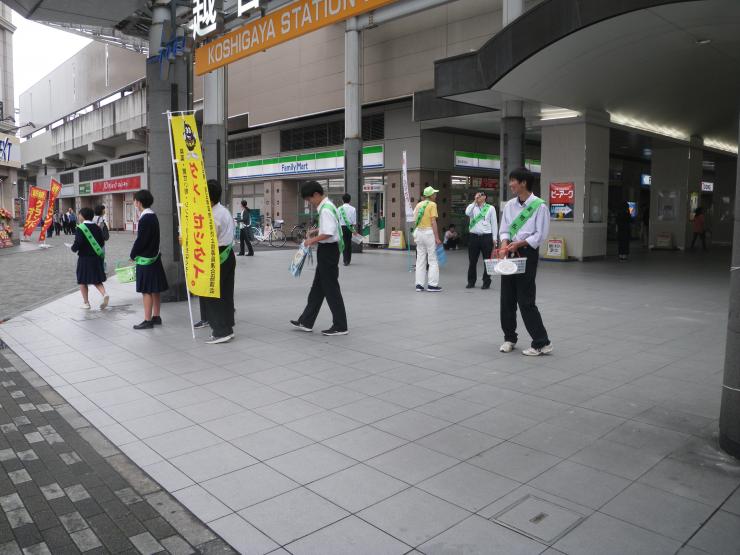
(348, 219)
(483, 229)
(524, 225)
(326, 280)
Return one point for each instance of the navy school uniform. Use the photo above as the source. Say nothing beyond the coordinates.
(90, 269)
(151, 278)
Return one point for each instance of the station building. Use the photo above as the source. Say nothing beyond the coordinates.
(434, 87)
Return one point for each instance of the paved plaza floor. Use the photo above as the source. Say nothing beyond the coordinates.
(413, 434)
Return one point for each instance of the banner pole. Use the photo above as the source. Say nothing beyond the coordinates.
(179, 224)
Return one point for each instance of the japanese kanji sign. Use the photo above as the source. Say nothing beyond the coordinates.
(54, 191)
(562, 200)
(36, 202)
(197, 230)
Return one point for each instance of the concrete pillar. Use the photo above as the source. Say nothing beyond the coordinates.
(513, 128)
(676, 173)
(214, 140)
(352, 111)
(729, 417)
(577, 151)
(511, 10)
(723, 200)
(167, 89)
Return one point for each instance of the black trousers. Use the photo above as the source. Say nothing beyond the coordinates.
(477, 245)
(703, 236)
(520, 290)
(347, 236)
(244, 238)
(326, 285)
(219, 313)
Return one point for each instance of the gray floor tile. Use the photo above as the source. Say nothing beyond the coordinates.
(169, 477)
(459, 442)
(310, 463)
(586, 421)
(323, 425)
(369, 410)
(515, 461)
(551, 439)
(452, 409)
(333, 397)
(659, 511)
(349, 535)
(719, 536)
(674, 419)
(271, 442)
(357, 487)
(182, 441)
(413, 516)
(203, 412)
(157, 424)
(373, 385)
(616, 458)
(732, 505)
(242, 536)
(288, 410)
(201, 503)
(411, 425)
(364, 443)
(248, 486)
(605, 535)
(581, 484)
(536, 408)
(701, 483)
(412, 463)
(468, 486)
(478, 536)
(213, 461)
(627, 408)
(238, 425)
(410, 396)
(647, 437)
(292, 515)
(499, 423)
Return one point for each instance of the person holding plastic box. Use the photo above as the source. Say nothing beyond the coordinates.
(524, 226)
(426, 236)
(348, 219)
(330, 243)
(483, 229)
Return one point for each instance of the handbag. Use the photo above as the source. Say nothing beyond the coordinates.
(299, 260)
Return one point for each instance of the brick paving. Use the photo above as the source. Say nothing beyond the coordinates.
(67, 489)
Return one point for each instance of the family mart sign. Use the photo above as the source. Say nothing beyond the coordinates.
(482, 161)
(316, 162)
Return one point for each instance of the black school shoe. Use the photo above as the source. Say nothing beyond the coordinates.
(157, 320)
(334, 331)
(200, 325)
(145, 325)
(486, 286)
(297, 325)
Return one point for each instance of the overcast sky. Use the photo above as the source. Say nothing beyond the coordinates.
(37, 50)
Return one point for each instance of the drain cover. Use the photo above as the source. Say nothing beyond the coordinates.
(539, 519)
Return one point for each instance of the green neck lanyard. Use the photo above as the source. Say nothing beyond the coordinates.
(524, 216)
(420, 214)
(145, 261)
(90, 239)
(224, 254)
(344, 216)
(333, 210)
(482, 214)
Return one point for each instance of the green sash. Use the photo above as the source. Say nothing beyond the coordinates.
(344, 217)
(482, 214)
(224, 254)
(524, 216)
(90, 239)
(333, 210)
(144, 261)
(420, 213)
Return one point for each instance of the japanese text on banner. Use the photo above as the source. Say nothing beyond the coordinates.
(197, 229)
(54, 191)
(36, 201)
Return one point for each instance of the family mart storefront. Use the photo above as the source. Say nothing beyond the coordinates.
(272, 186)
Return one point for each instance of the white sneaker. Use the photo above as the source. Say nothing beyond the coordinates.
(104, 304)
(85, 306)
(507, 347)
(532, 352)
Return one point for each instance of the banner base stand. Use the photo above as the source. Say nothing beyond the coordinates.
(45, 246)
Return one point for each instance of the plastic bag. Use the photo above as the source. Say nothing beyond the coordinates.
(441, 255)
(299, 260)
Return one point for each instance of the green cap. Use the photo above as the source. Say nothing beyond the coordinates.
(429, 191)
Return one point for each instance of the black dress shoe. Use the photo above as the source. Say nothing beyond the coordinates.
(240, 254)
(486, 286)
(469, 286)
(157, 320)
(145, 325)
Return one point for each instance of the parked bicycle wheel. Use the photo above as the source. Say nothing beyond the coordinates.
(277, 238)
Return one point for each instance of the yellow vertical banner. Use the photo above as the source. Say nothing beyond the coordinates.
(197, 230)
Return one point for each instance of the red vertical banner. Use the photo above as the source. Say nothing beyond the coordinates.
(54, 191)
(36, 201)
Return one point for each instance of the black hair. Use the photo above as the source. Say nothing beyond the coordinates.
(483, 192)
(99, 209)
(523, 175)
(452, 225)
(310, 188)
(244, 203)
(346, 197)
(144, 197)
(699, 210)
(86, 213)
(214, 190)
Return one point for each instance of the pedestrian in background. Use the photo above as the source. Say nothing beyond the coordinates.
(426, 236)
(88, 245)
(698, 226)
(151, 280)
(57, 222)
(219, 312)
(245, 230)
(326, 279)
(483, 229)
(624, 231)
(348, 219)
(525, 222)
(451, 238)
(72, 218)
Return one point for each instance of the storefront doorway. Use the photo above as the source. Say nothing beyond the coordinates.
(373, 210)
(463, 191)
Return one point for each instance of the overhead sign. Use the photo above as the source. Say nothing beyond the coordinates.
(316, 162)
(477, 160)
(10, 151)
(294, 20)
(116, 185)
(562, 199)
(707, 186)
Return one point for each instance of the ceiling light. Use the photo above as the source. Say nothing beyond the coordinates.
(703, 42)
(547, 114)
(720, 145)
(658, 129)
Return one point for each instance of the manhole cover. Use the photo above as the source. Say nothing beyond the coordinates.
(539, 519)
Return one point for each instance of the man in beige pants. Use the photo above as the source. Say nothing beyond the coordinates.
(426, 236)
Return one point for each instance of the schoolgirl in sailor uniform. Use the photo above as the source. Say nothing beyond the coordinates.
(150, 277)
(90, 268)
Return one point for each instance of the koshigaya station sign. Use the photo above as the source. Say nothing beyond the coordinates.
(284, 24)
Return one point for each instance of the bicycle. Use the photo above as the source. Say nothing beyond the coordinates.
(273, 235)
(298, 233)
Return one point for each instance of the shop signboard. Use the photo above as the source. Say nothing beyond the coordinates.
(477, 160)
(85, 188)
(562, 199)
(707, 187)
(68, 191)
(315, 162)
(556, 249)
(373, 187)
(117, 185)
(286, 23)
(10, 151)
